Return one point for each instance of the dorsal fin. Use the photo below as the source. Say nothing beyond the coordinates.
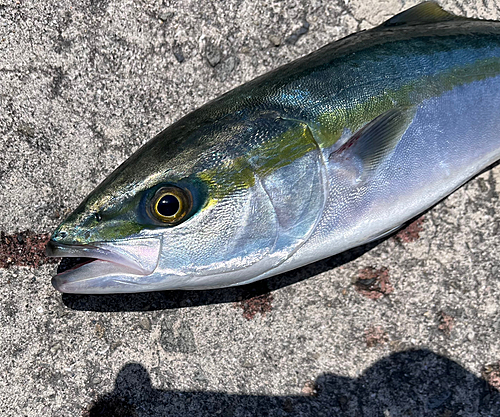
(427, 12)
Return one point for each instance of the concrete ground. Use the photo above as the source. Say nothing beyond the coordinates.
(407, 327)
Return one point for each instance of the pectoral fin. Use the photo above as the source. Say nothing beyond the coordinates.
(373, 143)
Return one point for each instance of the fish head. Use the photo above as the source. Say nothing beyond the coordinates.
(189, 210)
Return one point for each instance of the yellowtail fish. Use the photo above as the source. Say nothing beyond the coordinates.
(331, 151)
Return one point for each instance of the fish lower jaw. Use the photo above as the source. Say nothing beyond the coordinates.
(116, 267)
(98, 277)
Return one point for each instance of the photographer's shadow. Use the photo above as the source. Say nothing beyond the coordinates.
(412, 383)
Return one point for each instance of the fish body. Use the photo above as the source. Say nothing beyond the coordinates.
(329, 152)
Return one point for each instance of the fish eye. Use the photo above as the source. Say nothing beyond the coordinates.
(170, 205)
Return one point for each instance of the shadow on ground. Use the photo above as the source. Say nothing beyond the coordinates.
(164, 300)
(412, 383)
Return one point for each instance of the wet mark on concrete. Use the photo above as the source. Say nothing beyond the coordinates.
(373, 283)
(375, 336)
(57, 82)
(294, 37)
(213, 54)
(411, 233)
(446, 323)
(491, 373)
(98, 6)
(259, 304)
(33, 138)
(177, 51)
(26, 130)
(24, 249)
(145, 324)
(177, 337)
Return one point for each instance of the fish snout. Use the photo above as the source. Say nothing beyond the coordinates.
(128, 260)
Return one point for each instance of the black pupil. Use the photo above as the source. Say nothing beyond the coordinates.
(168, 205)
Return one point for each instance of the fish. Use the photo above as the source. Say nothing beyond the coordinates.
(334, 150)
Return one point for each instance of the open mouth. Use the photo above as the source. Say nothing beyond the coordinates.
(67, 264)
(104, 267)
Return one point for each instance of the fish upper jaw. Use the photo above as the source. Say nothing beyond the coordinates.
(125, 263)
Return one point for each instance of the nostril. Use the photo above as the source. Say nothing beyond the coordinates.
(62, 235)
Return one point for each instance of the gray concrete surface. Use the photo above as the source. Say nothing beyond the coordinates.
(82, 85)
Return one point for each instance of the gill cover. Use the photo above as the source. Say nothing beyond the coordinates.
(259, 224)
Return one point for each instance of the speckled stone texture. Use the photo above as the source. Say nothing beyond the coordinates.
(409, 326)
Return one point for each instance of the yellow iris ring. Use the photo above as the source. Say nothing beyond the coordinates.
(183, 198)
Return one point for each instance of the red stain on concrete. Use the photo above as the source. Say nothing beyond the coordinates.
(375, 336)
(24, 249)
(446, 323)
(491, 373)
(373, 283)
(411, 233)
(258, 304)
(310, 389)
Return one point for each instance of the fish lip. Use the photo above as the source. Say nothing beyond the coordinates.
(83, 279)
(134, 258)
(95, 251)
